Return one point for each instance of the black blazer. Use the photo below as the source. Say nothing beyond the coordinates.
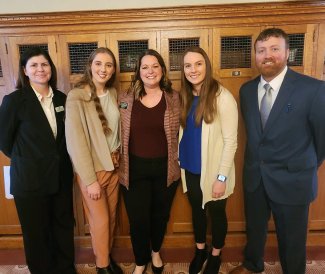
(288, 152)
(40, 164)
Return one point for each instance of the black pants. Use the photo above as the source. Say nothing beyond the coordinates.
(148, 201)
(47, 224)
(291, 228)
(216, 211)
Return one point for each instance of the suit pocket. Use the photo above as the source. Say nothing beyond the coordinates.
(24, 174)
(35, 175)
(299, 164)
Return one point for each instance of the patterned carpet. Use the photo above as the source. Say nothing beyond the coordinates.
(313, 267)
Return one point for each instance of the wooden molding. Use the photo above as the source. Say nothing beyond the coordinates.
(316, 9)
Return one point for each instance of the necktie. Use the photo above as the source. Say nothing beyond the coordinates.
(266, 104)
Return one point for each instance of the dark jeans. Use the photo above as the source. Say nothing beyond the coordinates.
(216, 211)
(148, 201)
(47, 224)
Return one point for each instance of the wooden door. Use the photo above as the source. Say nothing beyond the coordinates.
(302, 46)
(17, 45)
(74, 52)
(9, 223)
(317, 210)
(233, 65)
(173, 44)
(6, 85)
(319, 56)
(127, 46)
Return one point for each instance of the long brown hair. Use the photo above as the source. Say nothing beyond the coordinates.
(207, 107)
(137, 84)
(86, 80)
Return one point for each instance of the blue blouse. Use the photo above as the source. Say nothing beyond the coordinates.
(190, 145)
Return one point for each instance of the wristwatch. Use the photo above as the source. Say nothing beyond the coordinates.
(221, 178)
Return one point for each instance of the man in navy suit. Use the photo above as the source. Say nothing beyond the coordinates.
(284, 114)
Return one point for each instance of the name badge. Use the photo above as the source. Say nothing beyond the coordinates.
(59, 109)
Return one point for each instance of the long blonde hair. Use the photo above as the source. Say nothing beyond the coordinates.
(86, 80)
(207, 108)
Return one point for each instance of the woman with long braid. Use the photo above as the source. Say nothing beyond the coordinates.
(92, 132)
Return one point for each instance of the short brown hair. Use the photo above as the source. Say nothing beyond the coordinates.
(272, 32)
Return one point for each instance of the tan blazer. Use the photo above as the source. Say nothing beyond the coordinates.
(219, 144)
(86, 141)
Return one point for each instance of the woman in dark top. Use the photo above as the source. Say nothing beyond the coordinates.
(149, 168)
(32, 136)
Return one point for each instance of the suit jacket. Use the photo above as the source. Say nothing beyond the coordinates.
(40, 164)
(171, 125)
(218, 147)
(286, 154)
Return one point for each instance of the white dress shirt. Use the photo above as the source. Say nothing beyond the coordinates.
(48, 107)
(275, 84)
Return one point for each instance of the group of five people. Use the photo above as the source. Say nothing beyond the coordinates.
(143, 140)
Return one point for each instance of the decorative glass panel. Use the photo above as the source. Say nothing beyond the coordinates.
(78, 54)
(1, 74)
(22, 48)
(296, 46)
(236, 52)
(129, 52)
(176, 49)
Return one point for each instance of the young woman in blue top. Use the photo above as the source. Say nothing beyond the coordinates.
(208, 142)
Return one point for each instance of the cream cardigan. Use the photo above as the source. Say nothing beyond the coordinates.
(86, 141)
(219, 144)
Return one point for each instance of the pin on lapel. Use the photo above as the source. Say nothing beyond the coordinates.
(59, 109)
(289, 108)
(123, 105)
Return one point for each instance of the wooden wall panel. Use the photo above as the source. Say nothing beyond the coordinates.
(158, 25)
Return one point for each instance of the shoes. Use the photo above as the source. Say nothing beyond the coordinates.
(114, 267)
(240, 270)
(144, 270)
(103, 270)
(157, 270)
(198, 260)
(213, 264)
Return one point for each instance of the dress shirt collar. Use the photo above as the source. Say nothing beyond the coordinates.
(276, 82)
(40, 97)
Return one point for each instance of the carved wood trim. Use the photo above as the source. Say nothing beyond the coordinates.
(289, 8)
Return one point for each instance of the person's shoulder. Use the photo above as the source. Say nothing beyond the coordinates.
(15, 96)
(299, 77)
(224, 91)
(112, 92)
(305, 82)
(59, 93)
(173, 94)
(78, 94)
(16, 93)
(251, 82)
(225, 95)
(124, 95)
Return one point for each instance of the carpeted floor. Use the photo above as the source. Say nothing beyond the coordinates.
(313, 267)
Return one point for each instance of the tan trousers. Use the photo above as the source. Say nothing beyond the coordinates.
(101, 213)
